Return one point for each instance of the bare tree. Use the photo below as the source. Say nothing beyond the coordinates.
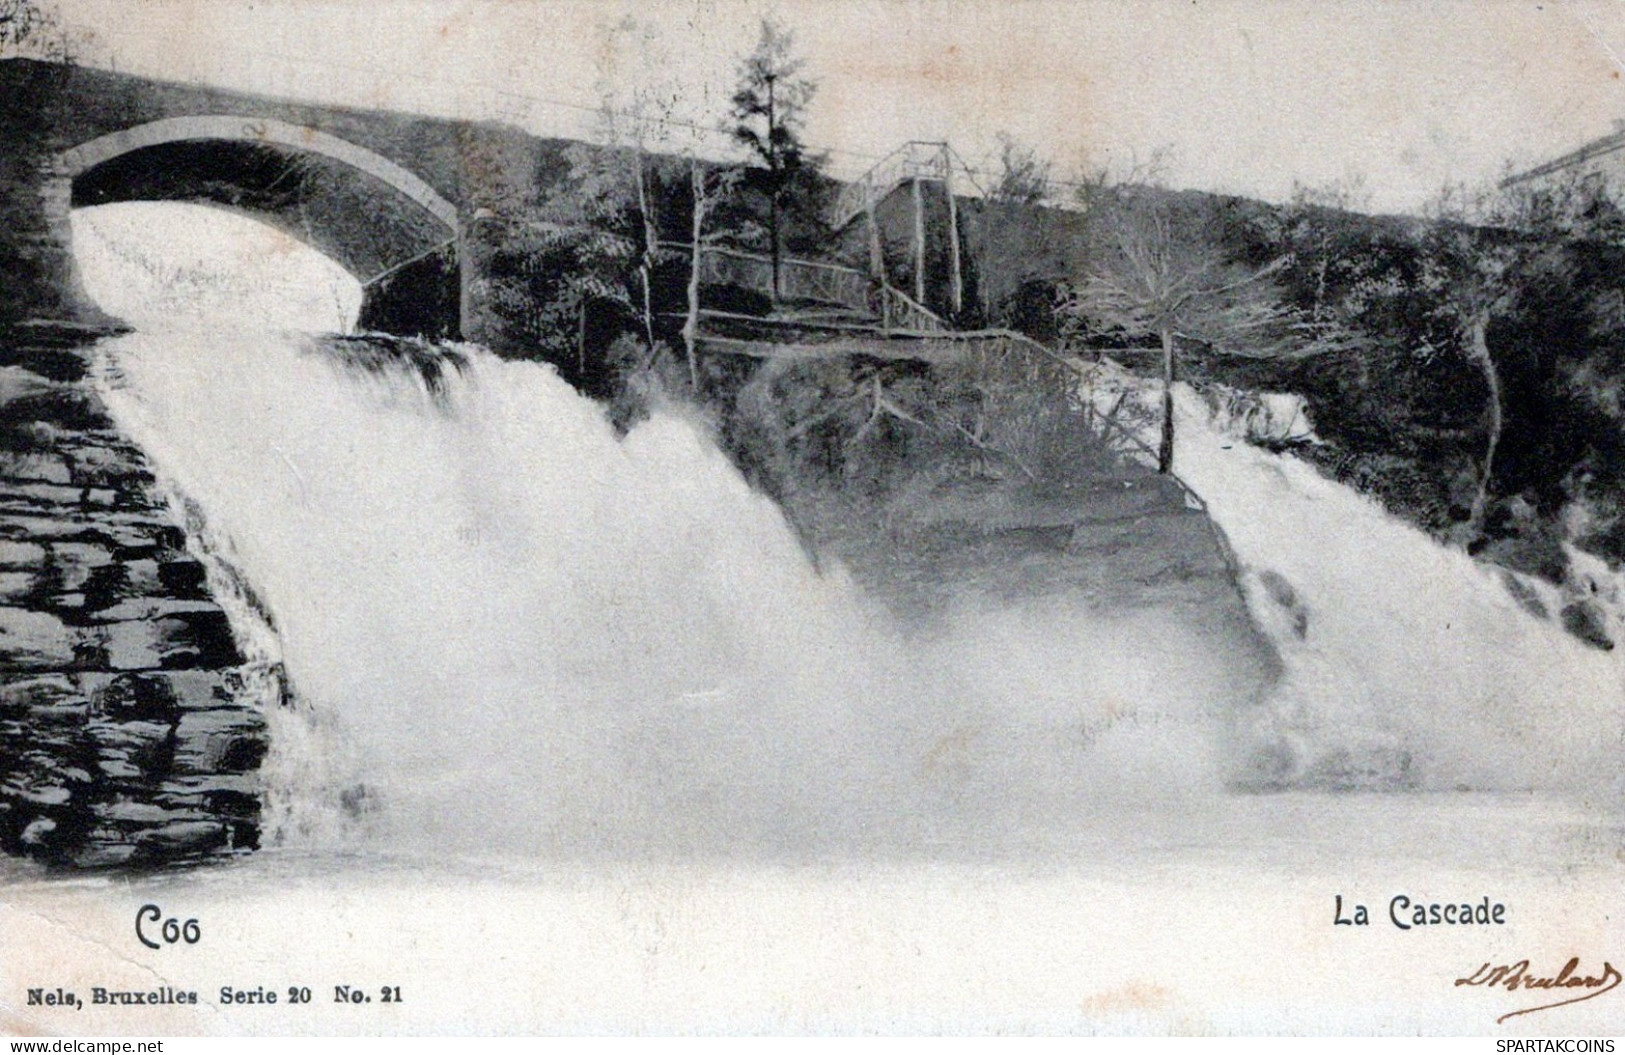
(1471, 272)
(708, 185)
(1321, 239)
(20, 20)
(1153, 276)
(1572, 202)
(1103, 183)
(1022, 176)
(639, 162)
(637, 105)
(593, 214)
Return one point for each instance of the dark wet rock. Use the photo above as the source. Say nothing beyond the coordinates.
(129, 696)
(17, 584)
(1270, 767)
(100, 849)
(95, 465)
(186, 837)
(46, 690)
(1525, 595)
(1586, 621)
(1371, 769)
(60, 365)
(128, 731)
(189, 791)
(99, 588)
(139, 578)
(183, 578)
(118, 768)
(44, 526)
(200, 638)
(19, 383)
(200, 689)
(66, 408)
(77, 559)
(219, 741)
(149, 608)
(1281, 593)
(34, 641)
(14, 466)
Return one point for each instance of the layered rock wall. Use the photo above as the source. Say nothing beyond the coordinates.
(129, 732)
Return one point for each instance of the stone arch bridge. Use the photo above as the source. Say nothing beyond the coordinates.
(394, 198)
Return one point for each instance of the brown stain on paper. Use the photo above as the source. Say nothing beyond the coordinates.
(1135, 996)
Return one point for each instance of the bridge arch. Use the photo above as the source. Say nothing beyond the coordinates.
(389, 305)
(70, 163)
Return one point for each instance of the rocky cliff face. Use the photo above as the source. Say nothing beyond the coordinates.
(129, 734)
(988, 483)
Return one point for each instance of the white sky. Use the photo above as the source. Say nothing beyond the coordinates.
(1244, 95)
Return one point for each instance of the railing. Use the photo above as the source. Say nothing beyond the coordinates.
(816, 281)
(798, 279)
(1122, 437)
(1052, 368)
(898, 311)
(912, 160)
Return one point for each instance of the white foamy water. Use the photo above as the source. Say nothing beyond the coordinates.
(159, 265)
(510, 628)
(1403, 657)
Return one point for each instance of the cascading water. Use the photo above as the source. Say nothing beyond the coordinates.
(509, 627)
(1405, 661)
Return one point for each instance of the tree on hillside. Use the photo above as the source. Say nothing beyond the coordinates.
(579, 257)
(1569, 203)
(621, 186)
(1472, 277)
(769, 108)
(1151, 275)
(567, 260)
(1018, 254)
(709, 186)
(1478, 253)
(1327, 251)
(1022, 177)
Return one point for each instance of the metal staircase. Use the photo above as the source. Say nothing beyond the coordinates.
(914, 160)
(923, 167)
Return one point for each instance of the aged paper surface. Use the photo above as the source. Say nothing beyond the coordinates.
(584, 742)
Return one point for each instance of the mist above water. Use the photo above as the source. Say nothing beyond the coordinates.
(511, 629)
(508, 625)
(1407, 663)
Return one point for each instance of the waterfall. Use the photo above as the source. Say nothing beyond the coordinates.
(510, 629)
(507, 625)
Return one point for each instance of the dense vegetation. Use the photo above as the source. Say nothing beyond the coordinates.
(1465, 368)
(1402, 408)
(1409, 416)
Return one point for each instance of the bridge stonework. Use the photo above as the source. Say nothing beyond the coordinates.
(423, 183)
